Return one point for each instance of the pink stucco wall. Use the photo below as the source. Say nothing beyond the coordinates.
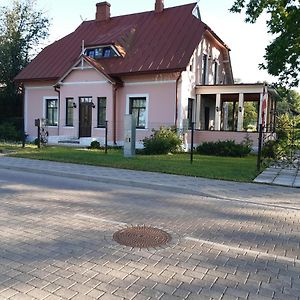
(34, 105)
(160, 91)
(161, 95)
(213, 136)
(85, 83)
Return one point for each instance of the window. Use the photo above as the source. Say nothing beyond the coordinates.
(190, 111)
(51, 112)
(204, 68)
(69, 111)
(216, 69)
(137, 107)
(101, 52)
(101, 112)
(86, 100)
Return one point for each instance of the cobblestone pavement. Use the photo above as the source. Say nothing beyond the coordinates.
(56, 239)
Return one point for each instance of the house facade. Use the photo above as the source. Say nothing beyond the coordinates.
(165, 66)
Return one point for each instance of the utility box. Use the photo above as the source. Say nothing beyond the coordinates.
(129, 135)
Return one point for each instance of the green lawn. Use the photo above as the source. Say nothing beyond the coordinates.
(236, 169)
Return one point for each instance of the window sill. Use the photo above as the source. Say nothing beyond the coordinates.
(68, 127)
(52, 126)
(99, 128)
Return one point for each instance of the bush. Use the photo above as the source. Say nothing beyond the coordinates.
(269, 149)
(95, 145)
(8, 132)
(224, 148)
(162, 141)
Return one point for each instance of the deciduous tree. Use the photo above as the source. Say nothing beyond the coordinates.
(282, 57)
(22, 28)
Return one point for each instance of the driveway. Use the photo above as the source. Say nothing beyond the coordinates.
(229, 240)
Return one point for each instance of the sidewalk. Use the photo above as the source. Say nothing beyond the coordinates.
(280, 176)
(257, 193)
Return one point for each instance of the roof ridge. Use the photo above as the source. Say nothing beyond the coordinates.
(142, 12)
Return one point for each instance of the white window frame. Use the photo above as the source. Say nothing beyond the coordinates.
(147, 106)
(45, 98)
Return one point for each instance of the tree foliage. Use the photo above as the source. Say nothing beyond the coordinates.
(288, 102)
(22, 28)
(283, 53)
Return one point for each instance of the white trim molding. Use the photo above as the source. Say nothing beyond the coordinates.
(83, 82)
(128, 96)
(149, 82)
(44, 87)
(58, 108)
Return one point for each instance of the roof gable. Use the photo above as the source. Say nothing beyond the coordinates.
(149, 42)
(85, 63)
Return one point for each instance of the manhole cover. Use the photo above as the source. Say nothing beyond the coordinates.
(142, 237)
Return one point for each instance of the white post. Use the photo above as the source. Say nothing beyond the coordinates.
(225, 116)
(218, 112)
(198, 112)
(240, 125)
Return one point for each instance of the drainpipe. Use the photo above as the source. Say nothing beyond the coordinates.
(177, 100)
(23, 114)
(57, 89)
(115, 88)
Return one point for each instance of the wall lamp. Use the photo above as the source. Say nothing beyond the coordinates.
(240, 109)
(217, 108)
(93, 105)
(74, 105)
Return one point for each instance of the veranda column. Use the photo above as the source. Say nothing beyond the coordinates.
(218, 112)
(225, 116)
(198, 112)
(240, 125)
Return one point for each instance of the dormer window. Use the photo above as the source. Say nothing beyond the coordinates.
(101, 52)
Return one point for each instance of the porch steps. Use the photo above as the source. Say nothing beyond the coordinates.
(75, 142)
(72, 142)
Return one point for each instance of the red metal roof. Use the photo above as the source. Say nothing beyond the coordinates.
(153, 42)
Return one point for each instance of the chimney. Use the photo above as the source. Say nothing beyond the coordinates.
(159, 6)
(103, 11)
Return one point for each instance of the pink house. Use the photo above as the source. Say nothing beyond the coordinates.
(164, 66)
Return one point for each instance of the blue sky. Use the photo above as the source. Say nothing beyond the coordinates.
(247, 41)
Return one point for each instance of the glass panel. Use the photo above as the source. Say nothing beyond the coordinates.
(51, 112)
(69, 112)
(204, 67)
(138, 109)
(101, 112)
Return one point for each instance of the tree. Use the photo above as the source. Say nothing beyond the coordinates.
(288, 102)
(283, 53)
(22, 28)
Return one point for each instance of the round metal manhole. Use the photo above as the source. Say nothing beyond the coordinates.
(142, 237)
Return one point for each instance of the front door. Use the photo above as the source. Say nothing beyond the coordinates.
(85, 116)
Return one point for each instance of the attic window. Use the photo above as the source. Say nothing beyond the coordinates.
(101, 52)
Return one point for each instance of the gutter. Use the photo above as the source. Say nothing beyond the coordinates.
(115, 88)
(177, 100)
(57, 89)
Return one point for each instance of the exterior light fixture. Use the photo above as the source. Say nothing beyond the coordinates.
(217, 108)
(93, 105)
(240, 109)
(74, 105)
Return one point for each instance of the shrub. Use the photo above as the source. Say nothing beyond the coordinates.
(269, 149)
(8, 132)
(95, 145)
(224, 148)
(162, 141)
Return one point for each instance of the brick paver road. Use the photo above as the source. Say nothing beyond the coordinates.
(56, 242)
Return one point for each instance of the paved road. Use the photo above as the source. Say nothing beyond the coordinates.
(56, 240)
